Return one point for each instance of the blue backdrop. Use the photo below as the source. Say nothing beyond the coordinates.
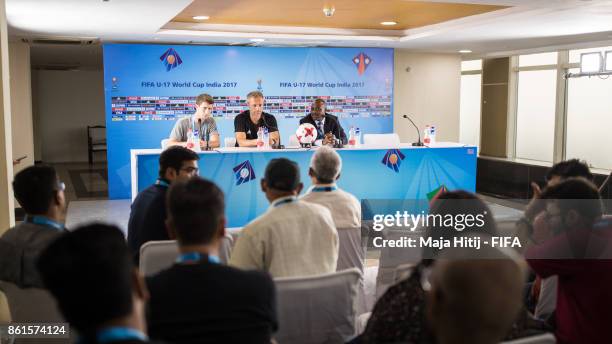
(149, 87)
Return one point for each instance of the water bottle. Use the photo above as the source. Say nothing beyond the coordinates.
(195, 141)
(432, 134)
(351, 138)
(266, 138)
(427, 136)
(357, 137)
(260, 139)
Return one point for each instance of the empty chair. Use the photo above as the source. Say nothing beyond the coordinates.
(156, 256)
(317, 309)
(547, 338)
(391, 140)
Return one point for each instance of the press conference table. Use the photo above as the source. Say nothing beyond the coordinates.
(372, 173)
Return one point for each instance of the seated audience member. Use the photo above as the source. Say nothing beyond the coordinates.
(148, 214)
(474, 296)
(198, 300)
(574, 254)
(542, 296)
(399, 314)
(325, 167)
(91, 274)
(292, 238)
(41, 194)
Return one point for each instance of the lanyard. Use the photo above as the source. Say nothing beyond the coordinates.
(193, 257)
(115, 334)
(285, 201)
(324, 188)
(162, 182)
(44, 221)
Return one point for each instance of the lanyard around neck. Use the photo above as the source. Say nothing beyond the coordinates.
(44, 221)
(116, 334)
(324, 188)
(193, 257)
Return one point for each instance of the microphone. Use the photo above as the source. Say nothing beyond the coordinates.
(418, 143)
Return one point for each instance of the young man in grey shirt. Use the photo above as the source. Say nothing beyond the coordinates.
(200, 123)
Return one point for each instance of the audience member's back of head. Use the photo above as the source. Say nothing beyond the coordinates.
(35, 188)
(91, 274)
(577, 194)
(326, 165)
(569, 168)
(282, 175)
(457, 213)
(173, 157)
(195, 211)
(474, 298)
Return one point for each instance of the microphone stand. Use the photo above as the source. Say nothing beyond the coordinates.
(419, 143)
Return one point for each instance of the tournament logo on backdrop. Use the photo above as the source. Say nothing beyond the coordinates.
(393, 159)
(171, 59)
(244, 172)
(362, 61)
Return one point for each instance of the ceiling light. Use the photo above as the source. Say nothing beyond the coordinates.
(257, 40)
(329, 11)
(201, 17)
(388, 23)
(591, 63)
(465, 51)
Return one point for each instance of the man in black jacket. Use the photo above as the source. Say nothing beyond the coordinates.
(327, 125)
(198, 300)
(148, 214)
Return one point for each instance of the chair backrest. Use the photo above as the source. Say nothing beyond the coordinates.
(392, 257)
(156, 256)
(164, 143)
(392, 140)
(317, 309)
(351, 251)
(5, 312)
(546, 338)
(30, 304)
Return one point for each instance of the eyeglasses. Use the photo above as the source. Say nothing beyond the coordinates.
(191, 170)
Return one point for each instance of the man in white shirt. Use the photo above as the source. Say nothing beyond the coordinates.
(325, 168)
(293, 237)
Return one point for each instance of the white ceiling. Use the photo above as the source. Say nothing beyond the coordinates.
(529, 25)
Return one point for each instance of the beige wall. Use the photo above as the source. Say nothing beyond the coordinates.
(66, 102)
(21, 104)
(427, 89)
(7, 212)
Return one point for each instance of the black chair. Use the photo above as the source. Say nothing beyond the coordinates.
(96, 140)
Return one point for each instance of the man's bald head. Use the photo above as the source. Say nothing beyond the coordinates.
(474, 297)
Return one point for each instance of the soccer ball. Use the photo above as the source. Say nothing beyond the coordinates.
(306, 133)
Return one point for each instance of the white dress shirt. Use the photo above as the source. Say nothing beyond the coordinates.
(292, 238)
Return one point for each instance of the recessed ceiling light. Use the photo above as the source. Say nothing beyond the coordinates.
(388, 23)
(201, 17)
(257, 40)
(465, 51)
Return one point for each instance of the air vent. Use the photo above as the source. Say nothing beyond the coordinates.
(60, 67)
(61, 41)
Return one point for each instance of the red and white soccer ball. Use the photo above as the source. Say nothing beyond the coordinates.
(306, 133)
